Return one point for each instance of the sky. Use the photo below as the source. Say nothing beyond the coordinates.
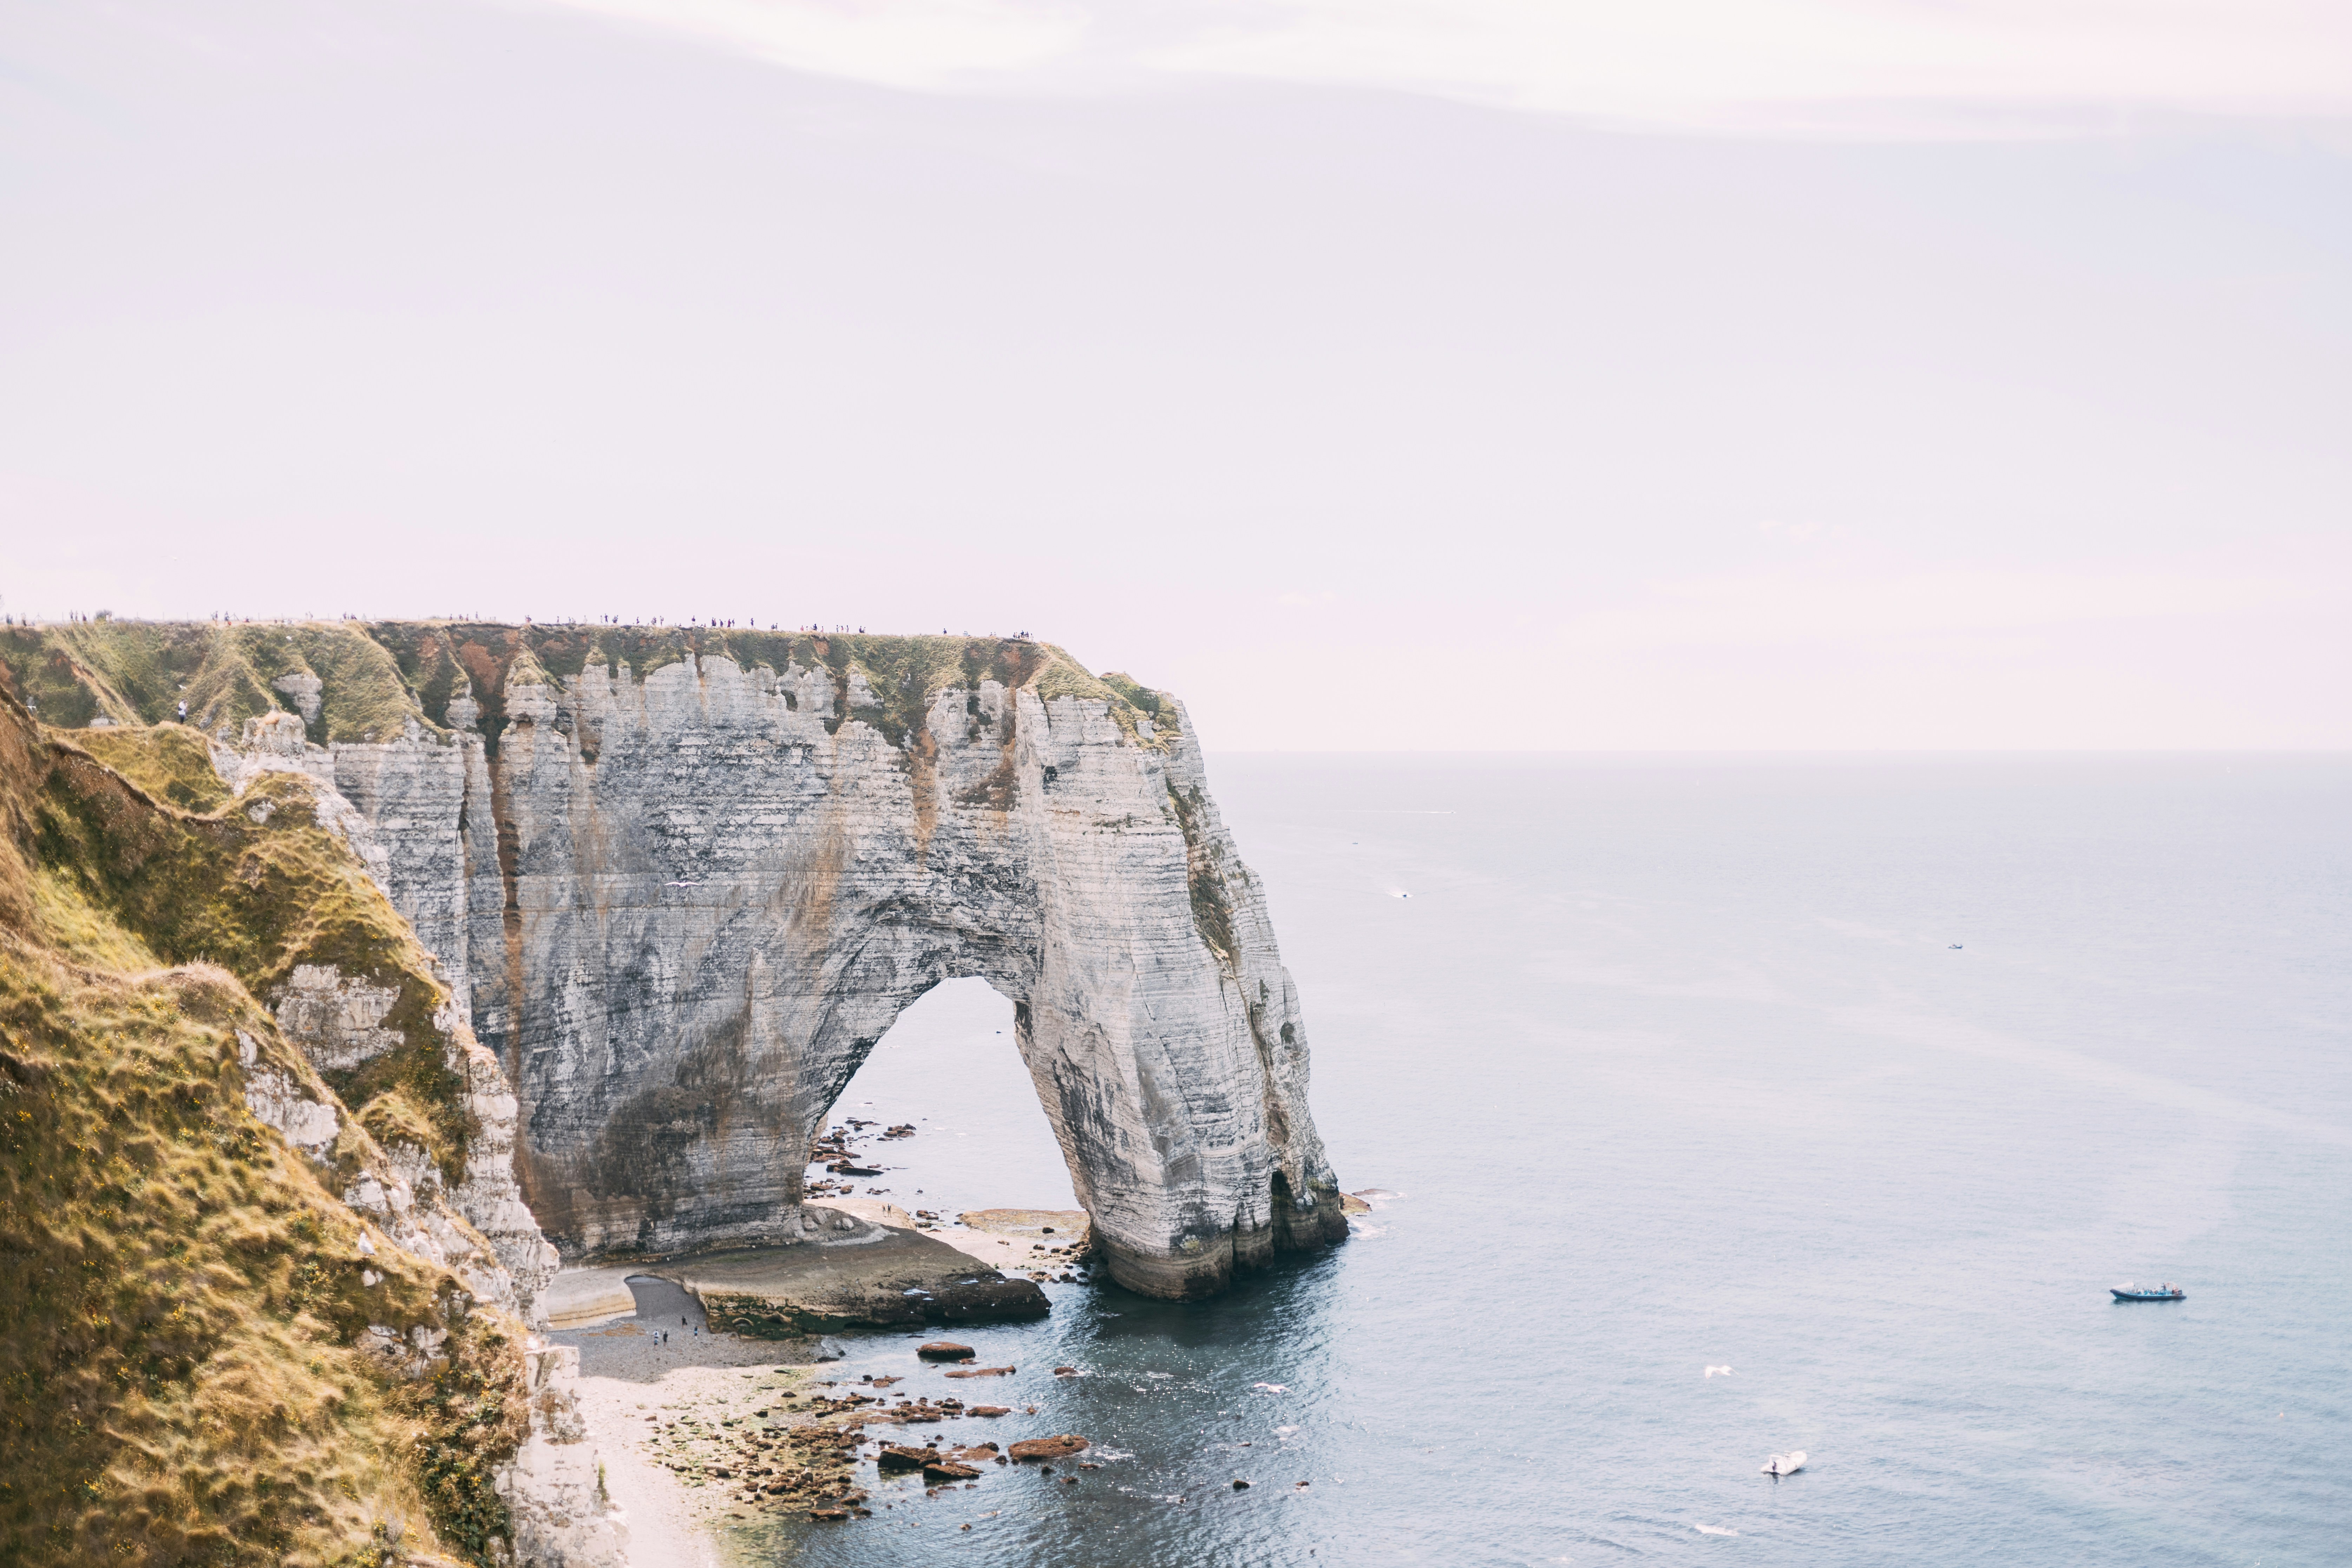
(1395, 375)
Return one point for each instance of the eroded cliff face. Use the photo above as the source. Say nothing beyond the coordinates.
(683, 882)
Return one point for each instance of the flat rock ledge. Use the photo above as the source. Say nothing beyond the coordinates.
(861, 1276)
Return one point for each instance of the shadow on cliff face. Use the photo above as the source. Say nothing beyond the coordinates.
(648, 1165)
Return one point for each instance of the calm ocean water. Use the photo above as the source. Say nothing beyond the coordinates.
(1674, 1065)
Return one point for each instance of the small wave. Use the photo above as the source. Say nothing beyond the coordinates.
(1713, 1530)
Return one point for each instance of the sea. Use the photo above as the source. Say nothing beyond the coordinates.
(1715, 1108)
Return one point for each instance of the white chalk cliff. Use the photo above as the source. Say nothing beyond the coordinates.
(681, 906)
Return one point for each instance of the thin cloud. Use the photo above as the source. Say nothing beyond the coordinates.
(1894, 64)
(912, 43)
(1872, 67)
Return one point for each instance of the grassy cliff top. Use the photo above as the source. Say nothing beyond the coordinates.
(181, 1376)
(368, 680)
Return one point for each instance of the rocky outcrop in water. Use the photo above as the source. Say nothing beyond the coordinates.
(682, 883)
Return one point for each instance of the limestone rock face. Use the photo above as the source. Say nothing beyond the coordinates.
(336, 1017)
(680, 907)
(553, 1491)
(279, 1103)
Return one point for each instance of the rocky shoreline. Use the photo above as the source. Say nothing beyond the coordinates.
(705, 1431)
(702, 1377)
(699, 1428)
(707, 1381)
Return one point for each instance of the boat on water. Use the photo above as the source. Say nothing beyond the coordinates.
(2127, 1291)
(1785, 1463)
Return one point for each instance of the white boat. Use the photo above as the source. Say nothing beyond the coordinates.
(1785, 1463)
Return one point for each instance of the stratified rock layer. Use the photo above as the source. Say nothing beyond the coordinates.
(683, 882)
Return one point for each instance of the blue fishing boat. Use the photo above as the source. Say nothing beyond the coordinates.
(2129, 1291)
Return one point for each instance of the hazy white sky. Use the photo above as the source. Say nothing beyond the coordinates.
(1473, 373)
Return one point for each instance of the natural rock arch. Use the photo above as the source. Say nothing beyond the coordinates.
(717, 921)
(683, 882)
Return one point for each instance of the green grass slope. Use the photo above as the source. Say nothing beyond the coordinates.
(182, 1372)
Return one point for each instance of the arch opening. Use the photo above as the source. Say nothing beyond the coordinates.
(950, 1067)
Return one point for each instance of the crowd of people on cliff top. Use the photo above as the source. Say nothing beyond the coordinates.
(223, 618)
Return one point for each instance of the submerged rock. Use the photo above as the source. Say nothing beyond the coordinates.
(1038, 1449)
